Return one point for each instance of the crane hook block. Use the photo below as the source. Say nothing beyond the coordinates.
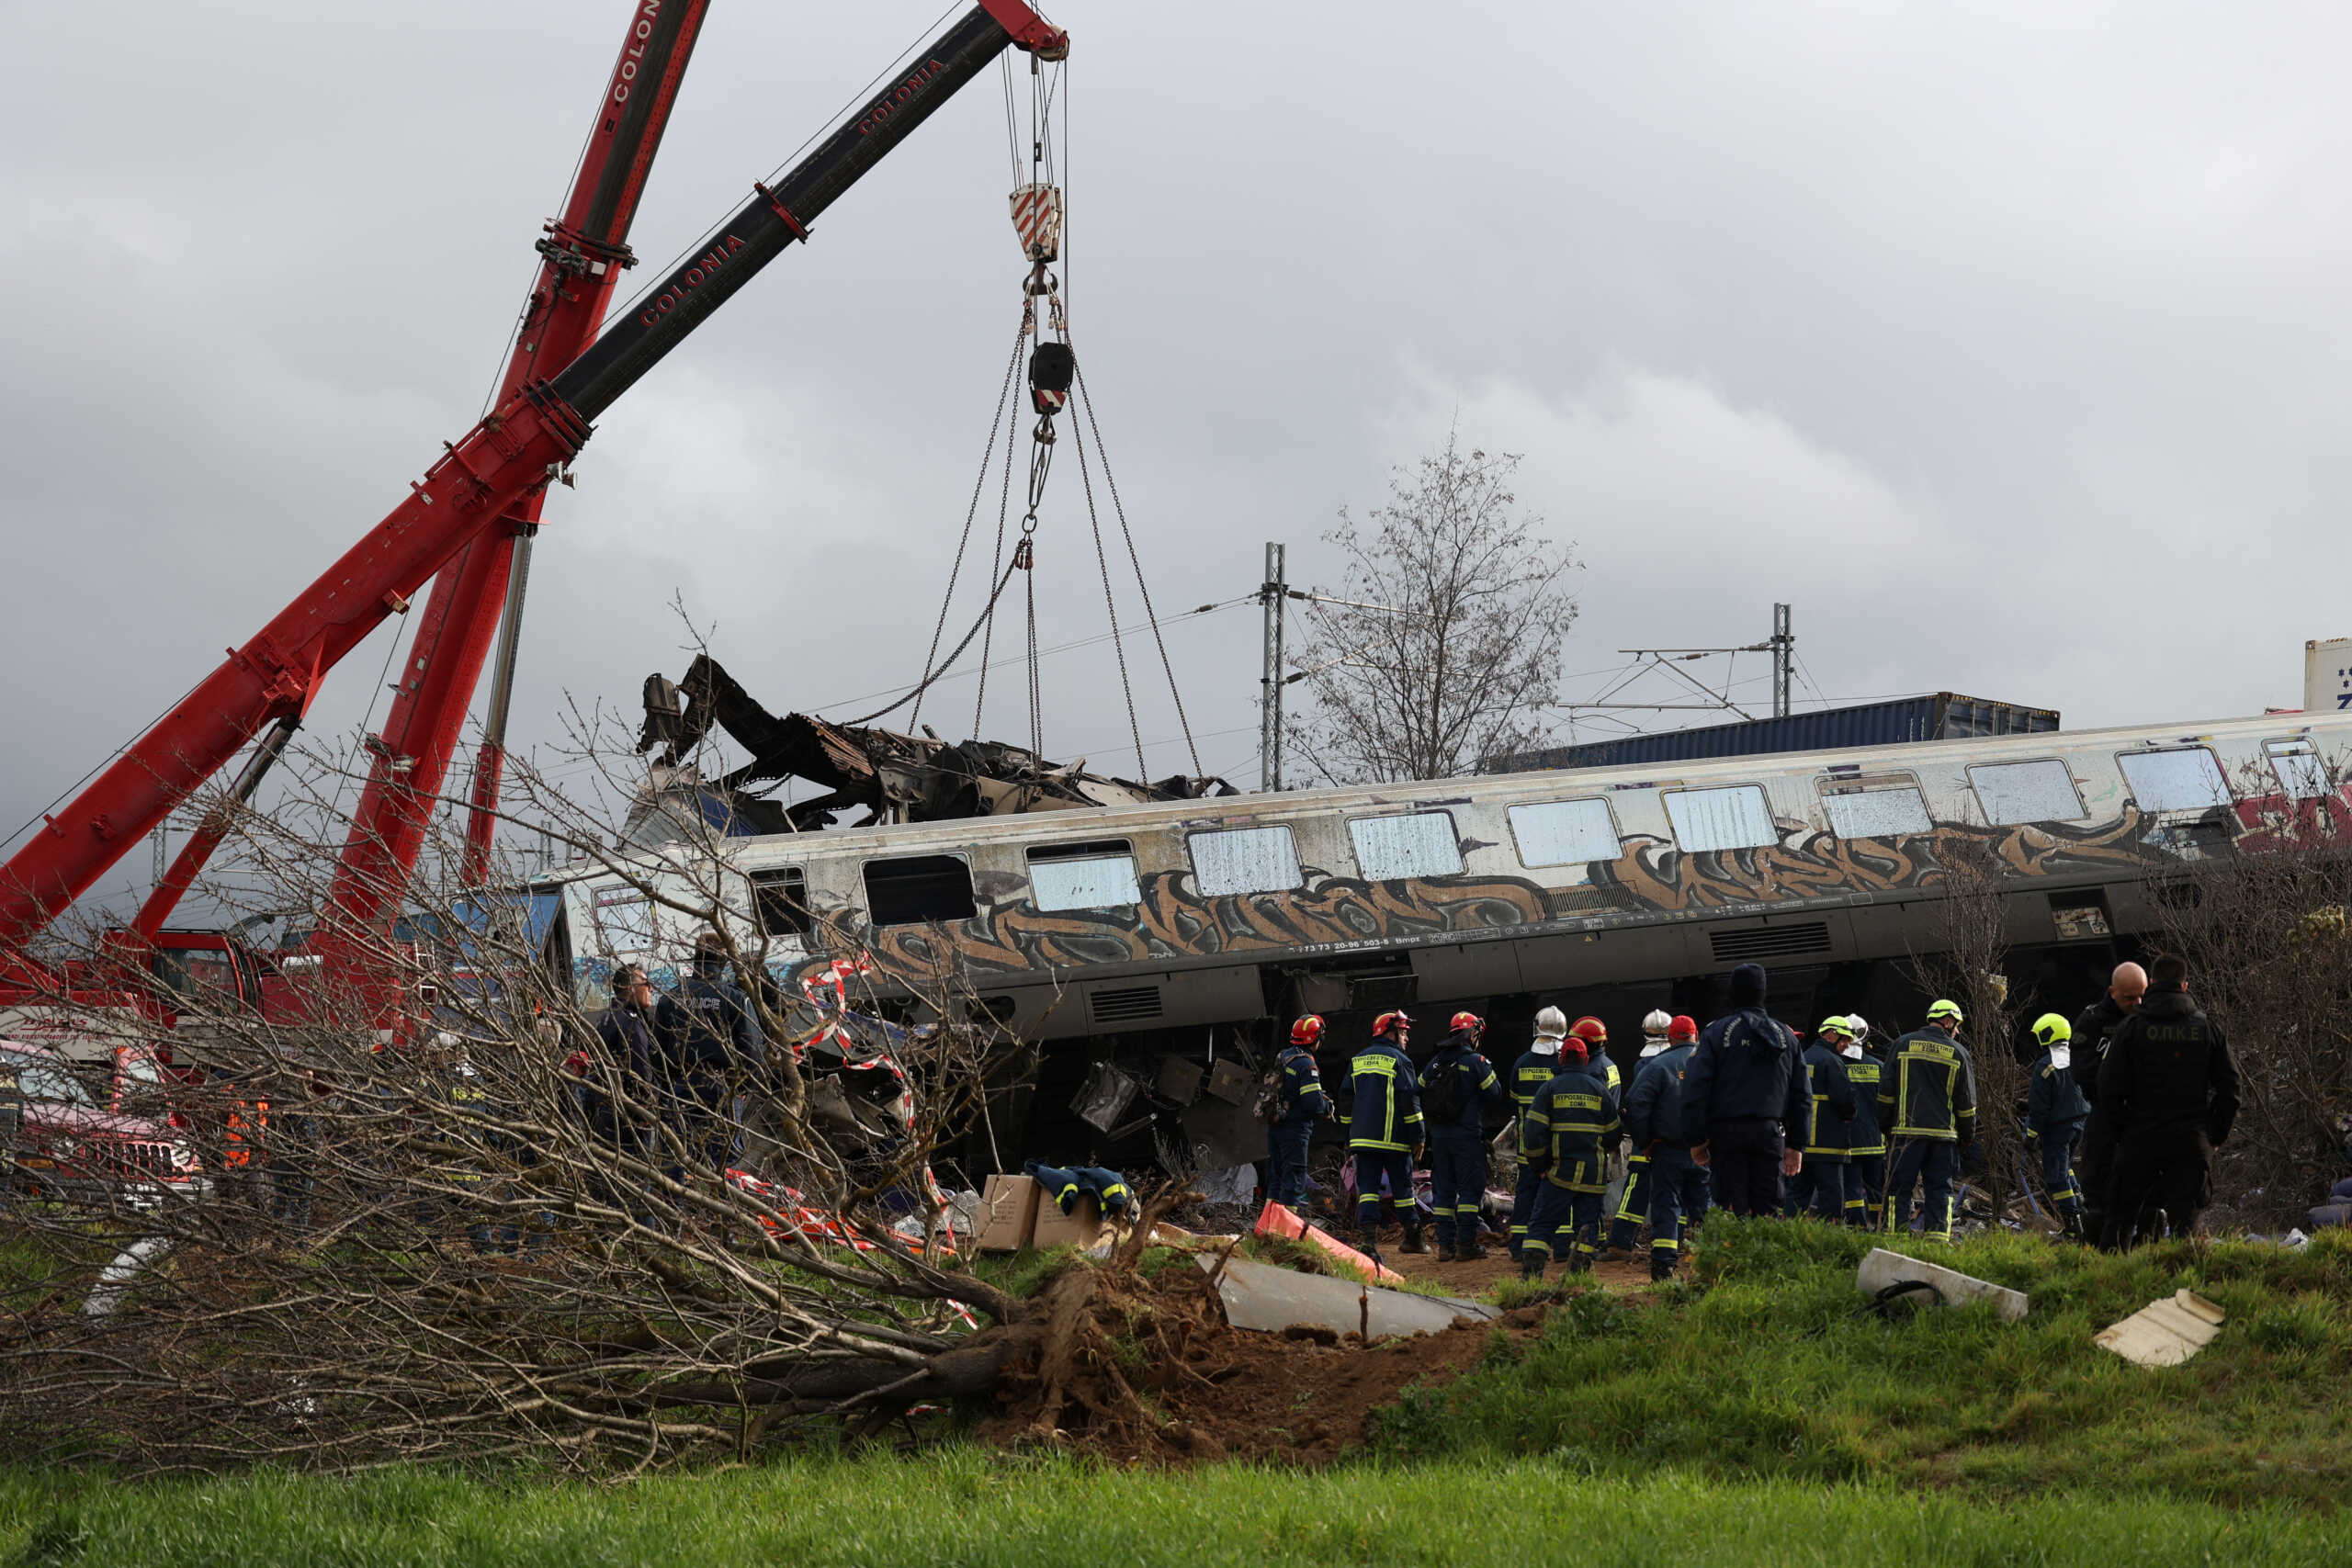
(1052, 368)
(1037, 218)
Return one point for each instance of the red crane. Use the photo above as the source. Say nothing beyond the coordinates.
(462, 516)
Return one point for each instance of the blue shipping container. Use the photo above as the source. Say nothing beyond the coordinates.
(1943, 716)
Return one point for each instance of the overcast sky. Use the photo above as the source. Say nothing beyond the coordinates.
(2006, 343)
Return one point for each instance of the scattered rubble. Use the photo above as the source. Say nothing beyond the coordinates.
(1260, 1296)
(1885, 1274)
(2164, 1333)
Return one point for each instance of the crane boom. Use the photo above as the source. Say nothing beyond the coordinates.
(512, 453)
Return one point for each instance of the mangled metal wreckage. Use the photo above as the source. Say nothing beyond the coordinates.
(891, 776)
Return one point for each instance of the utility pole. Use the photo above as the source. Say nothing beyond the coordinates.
(1272, 595)
(1784, 658)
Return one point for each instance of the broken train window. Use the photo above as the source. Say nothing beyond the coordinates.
(917, 889)
(780, 899)
(1098, 875)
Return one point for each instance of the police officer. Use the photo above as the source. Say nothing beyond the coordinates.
(1926, 1102)
(1458, 1085)
(1819, 1187)
(2093, 1028)
(2054, 1112)
(1633, 1207)
(625, 1036)
(1299, 1102)
(1537, 1066)
(1382, 1110)
(1654, 1121)
(1567, 1131)
(1866, 1140)
(1744, 1090)
(2173, 1091)
(709, 1042)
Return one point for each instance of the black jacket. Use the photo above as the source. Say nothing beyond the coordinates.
(1480, 1087)
(2053, 1099)
(2092, 1026)
(1299, 1101)
(1929, 1088)
(626, 1037)
(2167, 1066)
(706, 1026)
(1827, 1127)
(1747, 1064)
(1863, 1136)
(1569, 1129)
(1654, 1105)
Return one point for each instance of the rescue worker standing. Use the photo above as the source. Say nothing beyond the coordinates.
(1537, 1066)
(2173, 1091)
(2093, 1028)
(709, 1042)
(1866, 1140)
(1820, 1187)
(1654, 1121)
(1458, 1085)
(617, 1092)
(1926, 1102)
(1743, 1090)
(1382, 1110)
(1299, 1102)
(2054, 1112)
(1634, 1208)
(1567, 1133)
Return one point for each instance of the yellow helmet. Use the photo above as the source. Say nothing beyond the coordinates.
(1843, 1025)
(2049, 1029)
(1949, 1010)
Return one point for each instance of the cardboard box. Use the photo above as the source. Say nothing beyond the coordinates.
(1008, 1214)
(1080, 1227)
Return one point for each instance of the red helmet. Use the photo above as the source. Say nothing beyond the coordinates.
(1308, 1030)
(1684, 1027)
(1589, 1030)
(1572, 1049)
(1469, 1021)
(1389, 1023)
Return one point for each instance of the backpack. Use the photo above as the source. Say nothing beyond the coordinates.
(1273, 1094)
(1443, 1094)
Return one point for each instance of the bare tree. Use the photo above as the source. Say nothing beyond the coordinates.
(1459, 674)
(1972, 946)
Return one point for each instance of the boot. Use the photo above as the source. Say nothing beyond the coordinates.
(1661, 1268)
(1468, 1252)
(1580, 1261)
(1446, 1253)
(1412, 1237)
(2073, 1219)
(1530, 1264)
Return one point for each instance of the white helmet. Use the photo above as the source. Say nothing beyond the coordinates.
(1658, 1024)
(1551, 1024)
(1858, 1027)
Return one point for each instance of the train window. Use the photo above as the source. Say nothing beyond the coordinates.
(2186, 778)
(1564, 832)
(2015, 793)
(780, 894)
(1100, 875)
(1390, 849)
(1878, 813)
(624, 922)
(1734, 818)
(917, 889)
(2300, 771)
(1244, 859)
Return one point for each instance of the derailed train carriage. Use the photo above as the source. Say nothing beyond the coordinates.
(1154, 951)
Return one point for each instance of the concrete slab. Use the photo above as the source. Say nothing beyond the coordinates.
(2164, 1333)
(1882, 1269)
(1260, 1296)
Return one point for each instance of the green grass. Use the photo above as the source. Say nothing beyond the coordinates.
(1770, 1371)
(964, 1507)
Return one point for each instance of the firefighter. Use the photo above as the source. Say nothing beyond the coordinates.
(1866, 1142)
(1654, 1121)
(1566, 1133)
(1743, 1091)
(1382, 1110)
(2173, 1092)
(1458, 1085)
(709, 1043)
(2092, 1029)
(2054, 1111)
(1537, 1066)
(1819, 1187)
(1633, 1207)
(1298, 1102)
(1927, 1104)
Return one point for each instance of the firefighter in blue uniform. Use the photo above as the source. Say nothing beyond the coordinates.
(1819, 1186)
(1633, 1207)
(1299, 1102)
(1537, 1066)
(1926, 1102)
(1866, 1151)
(709, 1043)
(1654, 1121)
(1567, 1133)
(1458, 1085)
(1381, 1111)
(2055, 1110)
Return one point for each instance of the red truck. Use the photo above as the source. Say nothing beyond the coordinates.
(61, 1141)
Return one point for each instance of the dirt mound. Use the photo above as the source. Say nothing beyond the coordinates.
(1138, 1365)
